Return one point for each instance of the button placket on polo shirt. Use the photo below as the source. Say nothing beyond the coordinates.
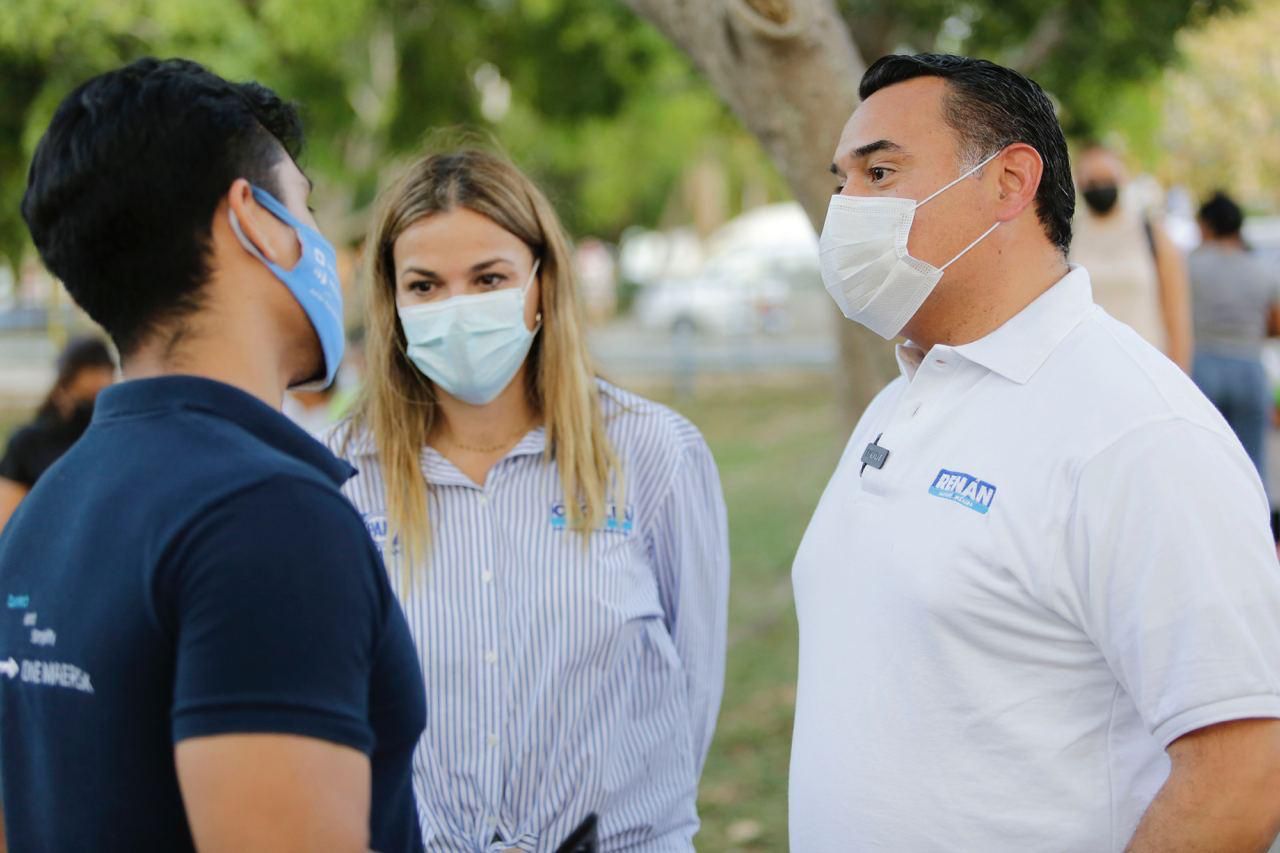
(920, 417)
(902, 433)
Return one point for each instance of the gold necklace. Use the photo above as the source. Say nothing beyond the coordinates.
(493, 448)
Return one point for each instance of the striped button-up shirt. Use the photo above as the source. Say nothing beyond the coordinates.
(564, 677)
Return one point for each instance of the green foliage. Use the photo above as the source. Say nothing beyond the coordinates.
(1085, 52)
(603, 111)
(1220, 110)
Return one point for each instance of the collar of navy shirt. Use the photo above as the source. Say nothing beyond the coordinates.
(171, 394)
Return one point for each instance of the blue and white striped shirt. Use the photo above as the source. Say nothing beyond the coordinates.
(561, 680)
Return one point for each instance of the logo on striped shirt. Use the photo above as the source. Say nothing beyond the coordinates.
(378, 530)
(965, 489)
(616, 519)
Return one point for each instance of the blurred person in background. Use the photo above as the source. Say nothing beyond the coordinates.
(85, 367)
(597, 280)
(1235, 306)
(560, 545)
(1138, 274)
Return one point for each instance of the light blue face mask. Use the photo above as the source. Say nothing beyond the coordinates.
(471, 346)
(313, 281)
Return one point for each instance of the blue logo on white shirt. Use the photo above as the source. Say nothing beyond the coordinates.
(964, 489)
(616, 519)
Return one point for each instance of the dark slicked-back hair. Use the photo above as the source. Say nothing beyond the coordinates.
(1223, 216)
(124, 184)
(989, 106)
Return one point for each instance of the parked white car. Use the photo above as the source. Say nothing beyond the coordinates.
(745, 286)
(720, 301)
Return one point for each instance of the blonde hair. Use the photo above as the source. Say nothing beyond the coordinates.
(398, 405)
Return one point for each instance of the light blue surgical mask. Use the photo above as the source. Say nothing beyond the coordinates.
(470, 346)
(313, 281)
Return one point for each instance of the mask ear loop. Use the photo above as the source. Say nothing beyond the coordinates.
(930, 198)
(248, 244)
(524, 292)
(965, 250)
(985, 234)
(245, 241)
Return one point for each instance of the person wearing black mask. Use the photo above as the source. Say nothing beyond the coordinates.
(1138, 274)
(1101, 197)
(1236, 307)
(84, 368)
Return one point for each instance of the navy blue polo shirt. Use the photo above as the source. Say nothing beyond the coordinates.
(189, 568)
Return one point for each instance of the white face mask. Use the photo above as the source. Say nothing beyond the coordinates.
(471, 346)
(865, 264)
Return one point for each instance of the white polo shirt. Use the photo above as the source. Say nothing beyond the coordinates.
(1064, 565)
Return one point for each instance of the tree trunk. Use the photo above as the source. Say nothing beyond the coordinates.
(789, 70)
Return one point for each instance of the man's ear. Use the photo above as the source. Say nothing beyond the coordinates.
(257, 224)
(1017, 181)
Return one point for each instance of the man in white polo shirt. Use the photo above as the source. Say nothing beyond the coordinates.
(1039, 604)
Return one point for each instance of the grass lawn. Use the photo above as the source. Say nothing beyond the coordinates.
(776, 447)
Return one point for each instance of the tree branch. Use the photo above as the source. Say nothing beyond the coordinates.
(774, 19)
(789, 70)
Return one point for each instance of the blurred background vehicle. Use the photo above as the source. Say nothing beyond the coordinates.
(753, 265)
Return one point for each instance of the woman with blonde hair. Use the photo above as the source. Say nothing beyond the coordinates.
(560, 545)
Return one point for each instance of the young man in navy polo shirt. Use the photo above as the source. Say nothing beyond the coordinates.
(199, 648)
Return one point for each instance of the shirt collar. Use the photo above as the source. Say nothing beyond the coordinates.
(440, 470)
(534, 442)
(1024, 343)
(910, 357)
(192, 393)
(433, 462)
